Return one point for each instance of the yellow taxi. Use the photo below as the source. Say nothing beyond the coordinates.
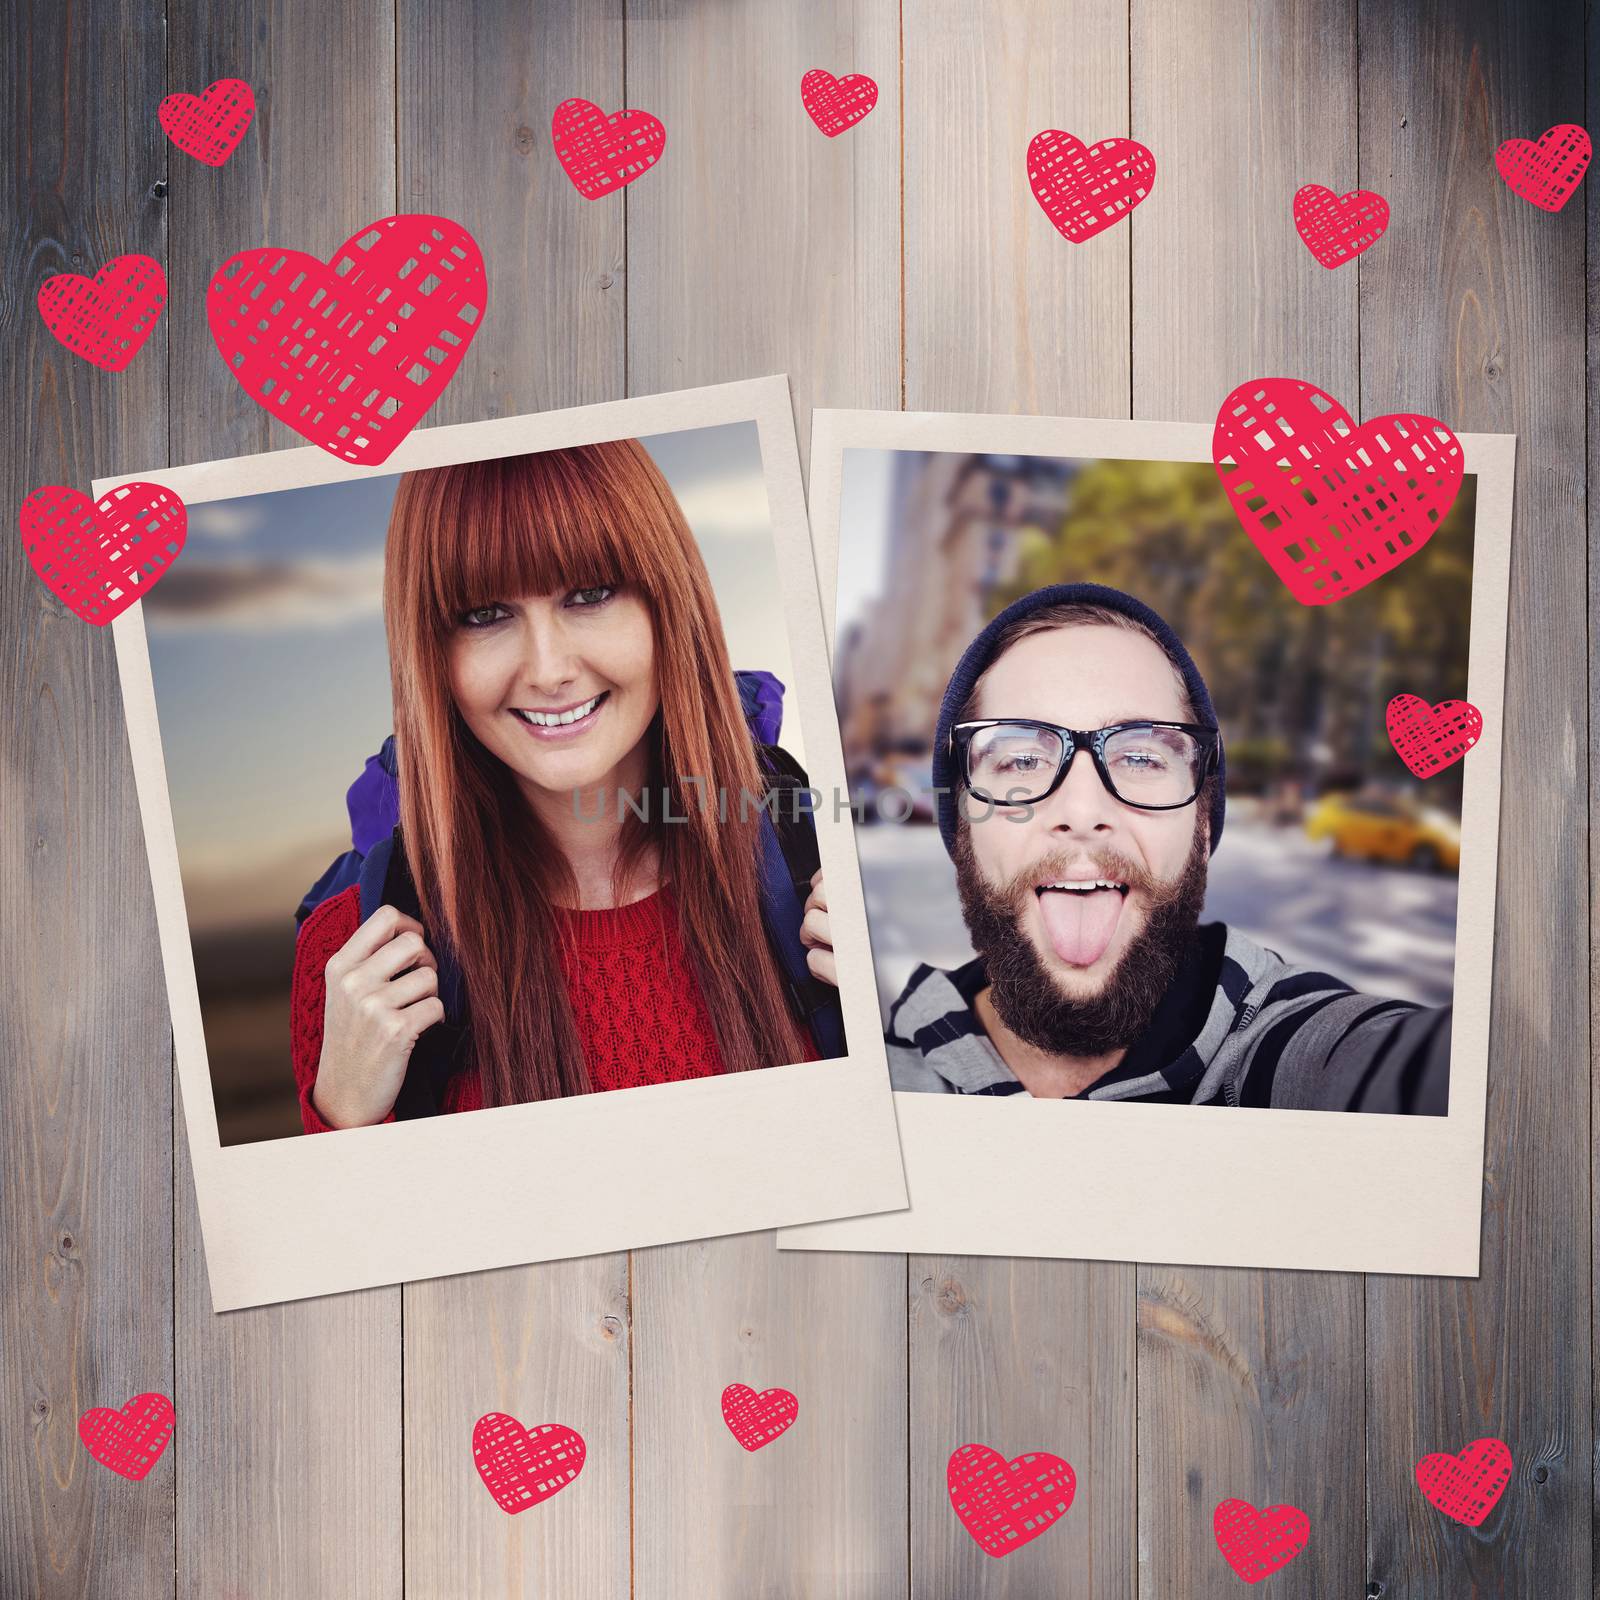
(1374, 826)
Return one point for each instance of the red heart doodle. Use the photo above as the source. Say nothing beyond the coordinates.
(757, 1419)
(1430, 738)
(129, 1441)
(98, 556)
(209, 125)
(1005, 1504)
(520, 1467)
(1257, 1543)
(351, 354)
(1468, 1486)
(1545, 174)
(1085, 188)
(835, 104)
(601, 153)
(1330, 505)
(1338, 227)
(107, 318)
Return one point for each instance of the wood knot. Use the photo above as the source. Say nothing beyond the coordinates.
(950, 1297)
(523, 139)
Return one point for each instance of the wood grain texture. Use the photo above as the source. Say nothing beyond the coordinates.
(759, 245)
(1474, 312)
(1250, 1383)
(548, 1343)
(85, 1045)
(290, 1476)
(1003, 314)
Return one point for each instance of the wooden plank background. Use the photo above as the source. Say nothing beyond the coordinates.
(323, 1446)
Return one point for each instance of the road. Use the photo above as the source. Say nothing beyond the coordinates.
(1384, 930)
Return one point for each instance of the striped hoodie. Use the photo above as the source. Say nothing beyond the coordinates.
(1239, 1026)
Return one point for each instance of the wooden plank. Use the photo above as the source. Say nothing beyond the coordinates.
(291, 1480)
(1249, 1382)
(759, 245)
(547, 1343)
(85, 1107)
(1474, 312)
(1003, 314)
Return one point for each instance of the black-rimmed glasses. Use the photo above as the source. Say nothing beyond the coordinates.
(1156, 766)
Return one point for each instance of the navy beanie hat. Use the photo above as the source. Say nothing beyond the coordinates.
(981, 652)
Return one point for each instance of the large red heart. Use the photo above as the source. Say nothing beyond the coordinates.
(1256, 1543)
(520, 1468)
(129, 1441)
(1085, 188)
(835, 104)
(1006, 1504)
(757, 1419)
(98, 556)
(1330, 505)
(1466, 1486)
(1338, 227)
(351, 354)
(601, 153)
(107, 318)
(1430, 738)
(209, 125)
(1546, 174)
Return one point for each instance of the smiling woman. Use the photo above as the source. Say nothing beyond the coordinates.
(554, 641)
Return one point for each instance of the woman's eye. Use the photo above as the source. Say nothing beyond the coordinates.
(595, 595)
(482, 616)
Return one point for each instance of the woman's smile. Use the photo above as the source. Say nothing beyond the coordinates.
(562, 722)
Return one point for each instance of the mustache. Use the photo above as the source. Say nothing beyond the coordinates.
(1103, 862)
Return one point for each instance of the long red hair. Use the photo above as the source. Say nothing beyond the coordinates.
(487, 874)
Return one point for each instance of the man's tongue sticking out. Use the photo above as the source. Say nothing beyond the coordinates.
(1080, 924)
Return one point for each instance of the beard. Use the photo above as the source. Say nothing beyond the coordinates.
(1027, 997)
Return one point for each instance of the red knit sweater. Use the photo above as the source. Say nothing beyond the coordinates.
(640, 1014)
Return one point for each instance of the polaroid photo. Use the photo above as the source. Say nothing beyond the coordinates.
(481, 798)
(1176, 960)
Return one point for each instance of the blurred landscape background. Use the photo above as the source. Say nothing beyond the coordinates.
(1333, 855)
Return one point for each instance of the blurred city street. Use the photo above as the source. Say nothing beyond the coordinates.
(1385, 930)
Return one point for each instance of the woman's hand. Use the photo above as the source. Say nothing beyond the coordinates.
(382, 993)
(816, 935)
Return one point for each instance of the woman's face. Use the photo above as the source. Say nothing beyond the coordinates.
(560, 687)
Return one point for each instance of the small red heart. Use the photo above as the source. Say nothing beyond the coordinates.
(352, 354)
(107, 318)
(98, 556)
(1256, 1543)
(1430, 738)
(757, 1419)
(1085, 188)
(520, 1468)
(129, 1441)
(1545, 174)
(1338, 227)
(835, 104)
(1330, 505)
(1468, 1486)
(209, 125)
(601, 153)
(1006, 1504)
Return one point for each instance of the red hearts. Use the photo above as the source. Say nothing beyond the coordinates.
(1085, 188)
(602, 153)
(757, 1419)
(98, 556)
(107, 318)
(209, 125)
(1330, 505)
(352, 354)
(1545, 174)
(1005, 1504)
(1430, 738)
(129, 1441)
(835, 104)
(1257, 1543)
(1468, 1486)
(520, 1468)
(1338, 227)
